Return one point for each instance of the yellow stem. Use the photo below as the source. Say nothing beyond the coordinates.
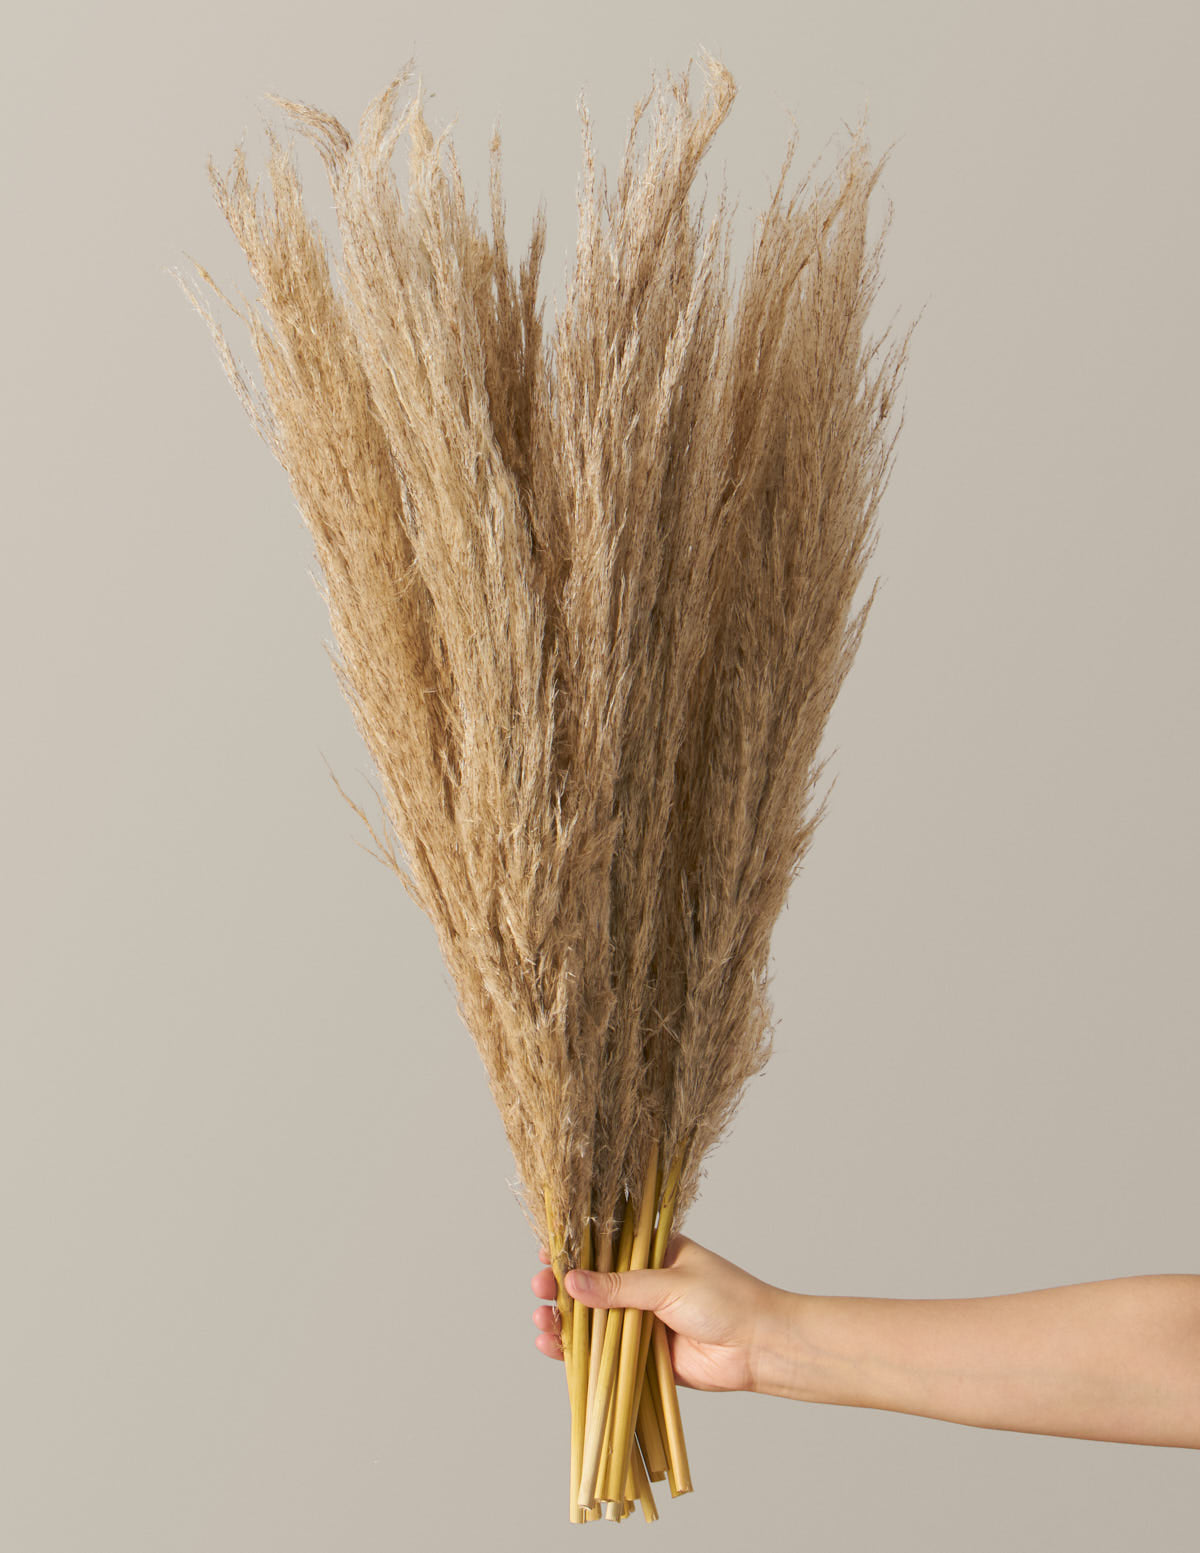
(599, 1319)
(578, 1379)
(659, 1417)
(680, 1473)
(629, 1379)
(666, 1214)
(667, 1396)
(649, 1435)
(641, 1484)
(606, 1455)
(601, 1394)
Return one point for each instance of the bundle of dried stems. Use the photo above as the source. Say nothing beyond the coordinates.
(592, 592)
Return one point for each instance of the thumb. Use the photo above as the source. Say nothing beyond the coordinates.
(648, 1288)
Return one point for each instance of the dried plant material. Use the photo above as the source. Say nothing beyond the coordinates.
(593, 592)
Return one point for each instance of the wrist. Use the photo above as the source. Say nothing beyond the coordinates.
(784, 1362)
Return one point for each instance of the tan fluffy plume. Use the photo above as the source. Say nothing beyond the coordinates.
(593, 592)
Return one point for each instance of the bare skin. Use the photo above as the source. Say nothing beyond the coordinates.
(1113, 1360)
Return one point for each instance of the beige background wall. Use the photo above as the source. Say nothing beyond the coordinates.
(263, 1285)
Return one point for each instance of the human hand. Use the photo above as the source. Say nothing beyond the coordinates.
(1116, 1359)
(720, 1320)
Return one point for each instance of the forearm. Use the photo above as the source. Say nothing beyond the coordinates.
(1114, 1360)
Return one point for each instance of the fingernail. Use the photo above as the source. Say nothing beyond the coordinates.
(578, 1282)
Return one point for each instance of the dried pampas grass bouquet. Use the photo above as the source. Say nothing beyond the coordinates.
(593, 592)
